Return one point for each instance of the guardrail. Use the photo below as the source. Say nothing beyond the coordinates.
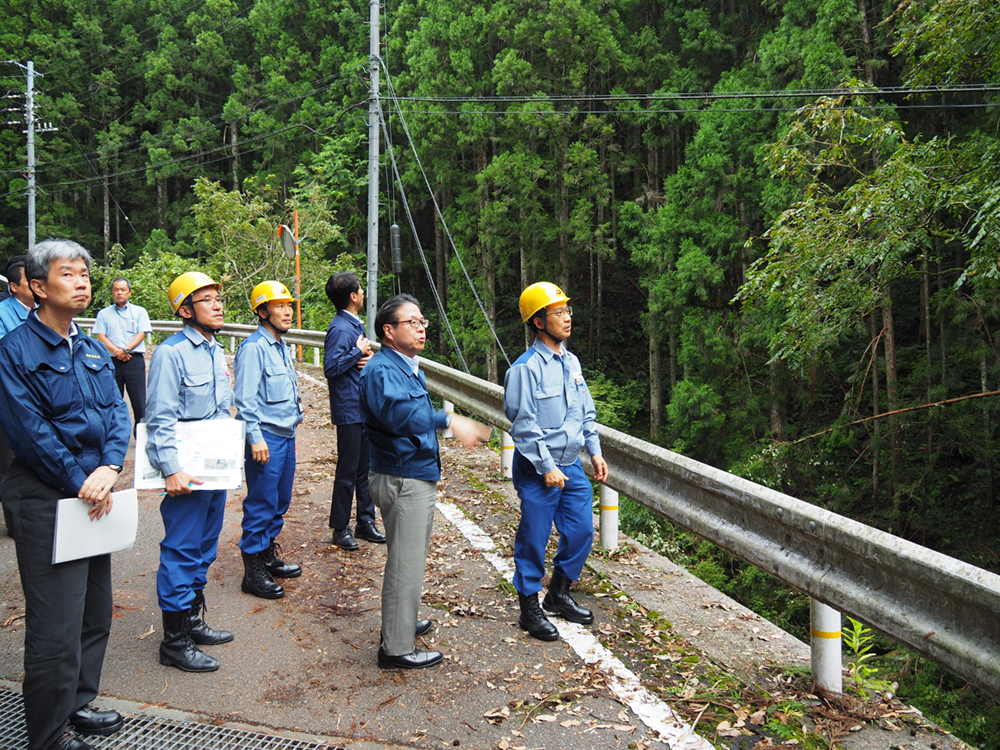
(940, 607)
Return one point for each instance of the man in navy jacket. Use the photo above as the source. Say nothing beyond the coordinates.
(69, 429)
(405, 468)
(347, 352)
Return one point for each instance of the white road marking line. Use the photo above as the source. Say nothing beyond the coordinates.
(653, 712)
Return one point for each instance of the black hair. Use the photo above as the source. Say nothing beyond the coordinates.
(387, 312)
(14, 271)
(340, 287)
(121, 278)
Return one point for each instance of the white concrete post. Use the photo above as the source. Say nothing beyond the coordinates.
(449, 409)
(609, 517)
(232, 343)
(315, 356)
(506, 455)
(827, 661)
(149, 338)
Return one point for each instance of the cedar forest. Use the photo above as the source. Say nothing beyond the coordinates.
(778, 221)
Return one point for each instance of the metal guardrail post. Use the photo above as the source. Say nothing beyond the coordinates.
(827, 659)
(315, 356)
(232, 343)
(449, 409)
(609, 518)
(506, 455)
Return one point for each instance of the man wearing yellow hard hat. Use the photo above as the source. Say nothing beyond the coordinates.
(552, 417)
(188, 380)
(267, 400)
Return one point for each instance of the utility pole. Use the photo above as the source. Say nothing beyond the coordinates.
(374, 107)
(29, 122)
(29, 118)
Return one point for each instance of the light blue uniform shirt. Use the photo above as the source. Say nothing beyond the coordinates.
(122, 324)
(267, 387)
(551, 410)
(12, 314)
(188, 380)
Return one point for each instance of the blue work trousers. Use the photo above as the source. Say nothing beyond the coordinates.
(269, 493)
(191, 526)
(571, 508)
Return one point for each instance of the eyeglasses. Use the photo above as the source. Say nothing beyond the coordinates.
(562, 312)
(414, 324)
(213, 301)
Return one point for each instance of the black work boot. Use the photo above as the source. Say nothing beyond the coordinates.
(533, 619)
(277, 567)
(256, 579)
(201, 633)
(178, 650)
(559, 602)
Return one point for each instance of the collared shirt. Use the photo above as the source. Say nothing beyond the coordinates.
(188, 380)
(551, 410)
(340, 365)
(267, 387)
(61, 411)
(401, 421)
(12, 314)
(121, 325)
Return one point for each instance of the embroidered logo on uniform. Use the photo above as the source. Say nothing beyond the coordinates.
(94, 356)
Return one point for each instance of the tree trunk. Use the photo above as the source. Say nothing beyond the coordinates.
(876, 409)
(563, 223)
(892, 399)
(107, 214)
(233, 140)
(776, 383)
(440, 272)
(655, 387)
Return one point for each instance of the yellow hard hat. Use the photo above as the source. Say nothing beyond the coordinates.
(186, 284)
(538, 295)
(269, 291)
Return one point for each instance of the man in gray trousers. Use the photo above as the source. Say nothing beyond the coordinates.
(405, 468)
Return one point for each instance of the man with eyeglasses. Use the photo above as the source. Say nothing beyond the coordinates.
(405, 467)
(552, 417)
(188, 380)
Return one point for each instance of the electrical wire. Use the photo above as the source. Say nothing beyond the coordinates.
(420, 249)
(440, 214)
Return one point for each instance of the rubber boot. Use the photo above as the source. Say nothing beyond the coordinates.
(178, 650)
(559, 602)
(256, 579)
(201, 633)
(533, 619)
(277, 567)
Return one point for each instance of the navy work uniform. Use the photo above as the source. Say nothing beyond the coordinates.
(188, 380)
(267, 400)
(64, 418)
(552, 417)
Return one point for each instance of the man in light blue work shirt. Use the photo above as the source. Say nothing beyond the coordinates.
(122, 328)
(14, 310)
(188, 381)
(267, 400)
(552, 418)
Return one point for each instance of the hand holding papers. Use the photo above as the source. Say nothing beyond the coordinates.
(210, 450)
(78, 536)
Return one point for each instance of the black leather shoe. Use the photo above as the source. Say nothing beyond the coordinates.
(370, 533)
(417, 660)
(88, 721)
(558, 601)
(201, 633)
(277, 567)
(70, 740)
(534, 620)
(423, 627)
(344, 539)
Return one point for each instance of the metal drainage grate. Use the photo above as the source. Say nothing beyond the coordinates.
(146, 732)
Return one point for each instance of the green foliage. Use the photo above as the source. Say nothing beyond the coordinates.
(859, 641)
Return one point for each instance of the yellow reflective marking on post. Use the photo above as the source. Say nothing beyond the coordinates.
(609, 507)
(822, 634)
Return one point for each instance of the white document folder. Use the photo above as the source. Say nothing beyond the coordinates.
(210, 449)
(77, 536)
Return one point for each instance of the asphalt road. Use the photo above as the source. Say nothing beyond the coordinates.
(304, 666)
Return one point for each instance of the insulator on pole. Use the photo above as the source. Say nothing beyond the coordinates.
(397, 257)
